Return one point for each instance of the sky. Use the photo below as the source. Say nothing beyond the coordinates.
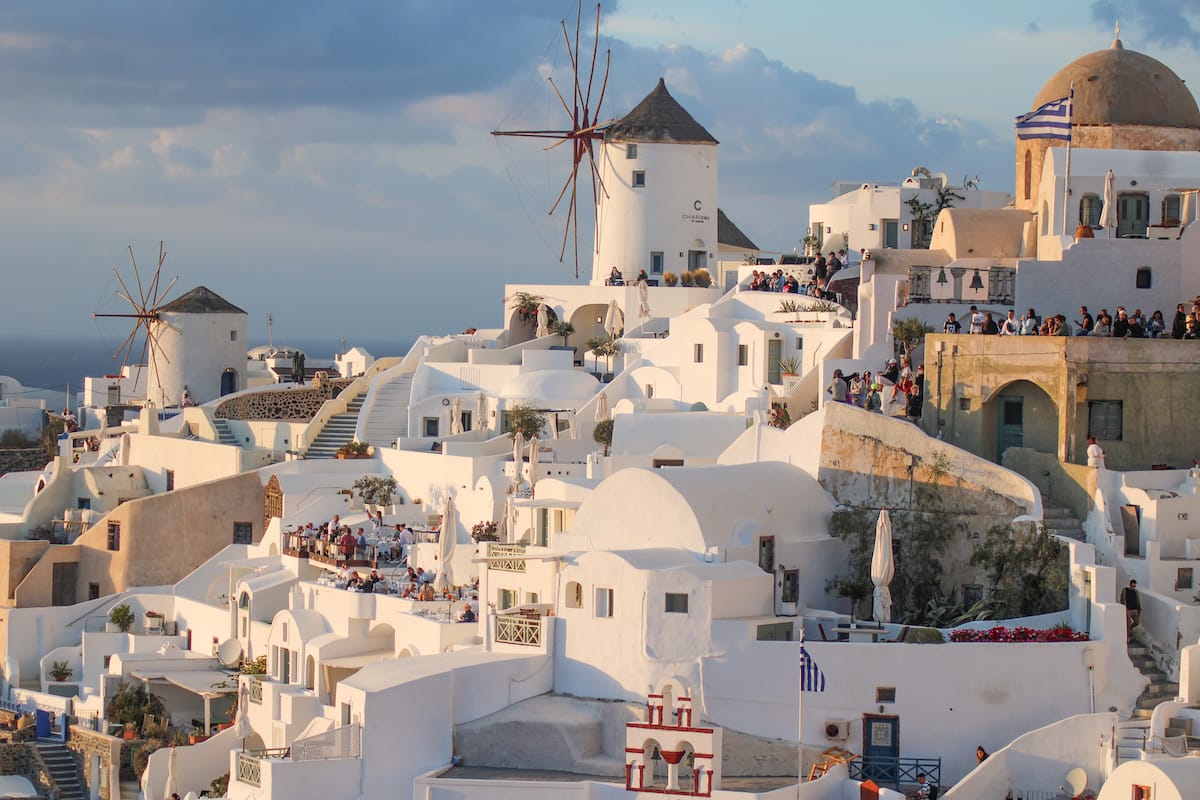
(331, 164)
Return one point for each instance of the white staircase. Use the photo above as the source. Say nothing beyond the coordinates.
(337, 431)
(224, 434)
(1132, 737)
(385, 413)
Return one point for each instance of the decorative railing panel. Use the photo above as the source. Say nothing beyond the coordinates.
(513, 629)
(249, 769)
(255, 691)
(507, 557)
(895, 771)
(343, 742)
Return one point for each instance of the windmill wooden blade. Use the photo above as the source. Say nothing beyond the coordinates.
(137, 276)
(595, 48)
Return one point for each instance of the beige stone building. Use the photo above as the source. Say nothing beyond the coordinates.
(990, 393)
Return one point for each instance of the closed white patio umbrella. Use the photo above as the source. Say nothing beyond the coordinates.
(883, 568)
(602, 406)
(456, 417)
(518, 456)
(447, 538)
(533, 461)
(614, 321)
(643, 302)
(479, 422)
(1108, 212)
(543, 321)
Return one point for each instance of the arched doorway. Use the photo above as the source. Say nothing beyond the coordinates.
(588, 322)
(229, 381)
(1019, 414)
(310, 674)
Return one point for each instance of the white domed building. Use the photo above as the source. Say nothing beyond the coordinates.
(201, 344)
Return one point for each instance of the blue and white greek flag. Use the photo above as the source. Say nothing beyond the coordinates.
(812, 679)
(1051, 121)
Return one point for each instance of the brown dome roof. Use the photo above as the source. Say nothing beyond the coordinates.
(1120, 87)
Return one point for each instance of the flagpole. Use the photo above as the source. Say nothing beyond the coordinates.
(1070, 136)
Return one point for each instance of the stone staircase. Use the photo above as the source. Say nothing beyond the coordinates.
(64, 770)
(224, 434)
(337, 431)
(1161, 687)
(1061, 520)
(1133, 735)
(388, 417)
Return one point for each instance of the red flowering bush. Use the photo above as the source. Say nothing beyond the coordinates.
(1059, 633)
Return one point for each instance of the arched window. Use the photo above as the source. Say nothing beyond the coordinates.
(1089, 210)
(1171, 210)
(244, 600)
(574, 597)
(1028, 174)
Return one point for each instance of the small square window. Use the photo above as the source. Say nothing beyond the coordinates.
(743, 355)
(430, 426)
(107, 661)
(698, 353)
(631, 150)
(677, 603)
(233, 336)
(93, 591)
(656, 262)
(639, 179)
(1143, 278)
(1105, 420)
(885, 694)
(243, 533)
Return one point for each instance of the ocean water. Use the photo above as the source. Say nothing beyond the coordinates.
(55, 363)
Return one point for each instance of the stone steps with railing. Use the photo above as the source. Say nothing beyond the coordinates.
(63, 768)
(336, 432)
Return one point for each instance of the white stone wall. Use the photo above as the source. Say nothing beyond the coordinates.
(672, 213)
(194, 350)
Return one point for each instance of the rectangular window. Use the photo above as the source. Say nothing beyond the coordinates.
(631, 150)
(799, 342)
(1183, 579)
(83, 502)
(93, 591)
(698, 353)
(971, 593)
(676, 603)
(233, 336)
(243, 533)
(639, 179)
(791, 587)
(429, 426)
(114, 536)
(656, 262)
(170, 480)
(505, 598)
(885, 694)
(107, 661)
(62, 583)
(1104, 419)
(743, 355)
(604, 602)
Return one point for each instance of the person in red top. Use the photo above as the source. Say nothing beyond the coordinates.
(346, 544)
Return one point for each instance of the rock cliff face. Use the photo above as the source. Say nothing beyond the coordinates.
(22, 460)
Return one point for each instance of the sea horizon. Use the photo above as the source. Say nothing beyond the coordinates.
(54, 363)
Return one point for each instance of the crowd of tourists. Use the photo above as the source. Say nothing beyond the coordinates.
(896, 390)
(1123, 325)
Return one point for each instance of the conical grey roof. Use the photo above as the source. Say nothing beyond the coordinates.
(201, 300)
(659, 118)
(730, 234)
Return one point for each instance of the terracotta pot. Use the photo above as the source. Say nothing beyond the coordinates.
(130, 735)
(1084, 232)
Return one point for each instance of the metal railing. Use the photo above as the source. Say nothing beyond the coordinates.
(249, 769)
(343, 742)
(513, 629)
(505, 557)
(895, 771)
(256, 690)
(1036, 794)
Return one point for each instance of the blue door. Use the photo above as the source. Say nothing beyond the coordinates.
(881, 748)
(42, 728)
(228, 382)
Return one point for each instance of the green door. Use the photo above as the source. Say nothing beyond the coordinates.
(1011, 432)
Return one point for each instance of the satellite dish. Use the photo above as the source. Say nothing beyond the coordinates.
(229, 653)
(1076, 782)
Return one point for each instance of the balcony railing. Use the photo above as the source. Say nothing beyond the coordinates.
(255, 690)
(343, 742)
(506, 557)
(895, 771)
(249, 769)
(513, 629)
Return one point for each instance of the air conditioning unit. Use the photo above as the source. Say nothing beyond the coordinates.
(837, 729)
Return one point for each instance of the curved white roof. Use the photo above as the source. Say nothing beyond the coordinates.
(695, 508)
(551, 388)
